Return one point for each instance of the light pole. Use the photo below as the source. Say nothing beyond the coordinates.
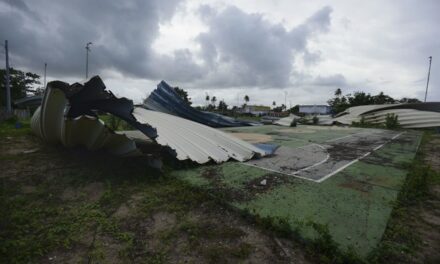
(87, 58)
(7, 80)
(429, 73)
(45, 69)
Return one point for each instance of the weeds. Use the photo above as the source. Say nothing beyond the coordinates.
(400, 241)
(392, 121)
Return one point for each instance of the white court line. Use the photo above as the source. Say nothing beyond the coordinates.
(316, 164)
(267, 169)
(351, 135)
(323, 161)
(298, 171)
(356, 160)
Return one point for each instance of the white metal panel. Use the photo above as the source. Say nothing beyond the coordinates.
(189, 139)
(49, 123)
(195, 141)
(407, 118)
(286, 121)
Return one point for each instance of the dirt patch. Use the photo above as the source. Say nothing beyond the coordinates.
(264, 184)
(28, 189)
(251, 189)
(76, 254)
(18, 146)
(122, 212)
(162, 221)
(424, 218)
(357, 186)
(296, 130)
(432, 153)
(91, 192)
(425, 223)
(166, 231)
(253, 137)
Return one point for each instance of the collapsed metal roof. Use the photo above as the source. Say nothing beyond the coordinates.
(410, 115)
(68, 116)
(28, 101)
(287, 121)
(164, 99)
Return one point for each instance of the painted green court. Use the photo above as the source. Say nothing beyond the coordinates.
(345, 178)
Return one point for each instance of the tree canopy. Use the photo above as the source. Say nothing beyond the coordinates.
(222, 106)
(21, 83)
(183, 94)
(341, 102)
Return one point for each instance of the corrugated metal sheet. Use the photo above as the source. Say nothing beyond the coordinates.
(164, 99)
(408, 118)
(195, 141)
(417, 115)
(49, 123)
(61, 119)
(287, 121)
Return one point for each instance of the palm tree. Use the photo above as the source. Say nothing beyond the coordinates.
(274, 104)
(338, 92)
(207, 100)
(246, 99)
(213, 100)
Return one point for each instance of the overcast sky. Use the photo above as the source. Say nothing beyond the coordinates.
(265, 49)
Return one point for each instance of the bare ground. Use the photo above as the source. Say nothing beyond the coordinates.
(72, 206)
(425, 217)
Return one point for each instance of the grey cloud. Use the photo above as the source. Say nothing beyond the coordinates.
(337, 81)
(122, 33)
(238, 50)
(254, 51)
(311, 58)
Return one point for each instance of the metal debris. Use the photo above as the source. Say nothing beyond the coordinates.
(68, 116)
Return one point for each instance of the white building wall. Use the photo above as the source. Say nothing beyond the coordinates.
(314, 109)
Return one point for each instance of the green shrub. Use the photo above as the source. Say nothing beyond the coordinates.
(391, 121)
(293, 123)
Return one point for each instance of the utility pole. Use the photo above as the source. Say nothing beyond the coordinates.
(285, 99)
(87, 58)
(429, 73)
(45, 69)
(7, 85)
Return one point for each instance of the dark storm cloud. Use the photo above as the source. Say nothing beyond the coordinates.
(239, 49)
(122, 33)
(244, 49)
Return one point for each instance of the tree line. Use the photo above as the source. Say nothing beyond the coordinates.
(340, 103)
(28, 83)
(21, 84)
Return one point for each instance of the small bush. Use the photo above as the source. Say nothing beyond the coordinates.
(293, 123)
(315, 120)
(391, 121)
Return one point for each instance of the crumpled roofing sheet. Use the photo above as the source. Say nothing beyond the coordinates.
(67, 115)
(50, 124)
(407, 118)
(195, 141)
(286, 121)
(164, 99)
(412, 115)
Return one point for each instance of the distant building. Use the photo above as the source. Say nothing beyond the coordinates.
(257, 110)
(315, 109)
